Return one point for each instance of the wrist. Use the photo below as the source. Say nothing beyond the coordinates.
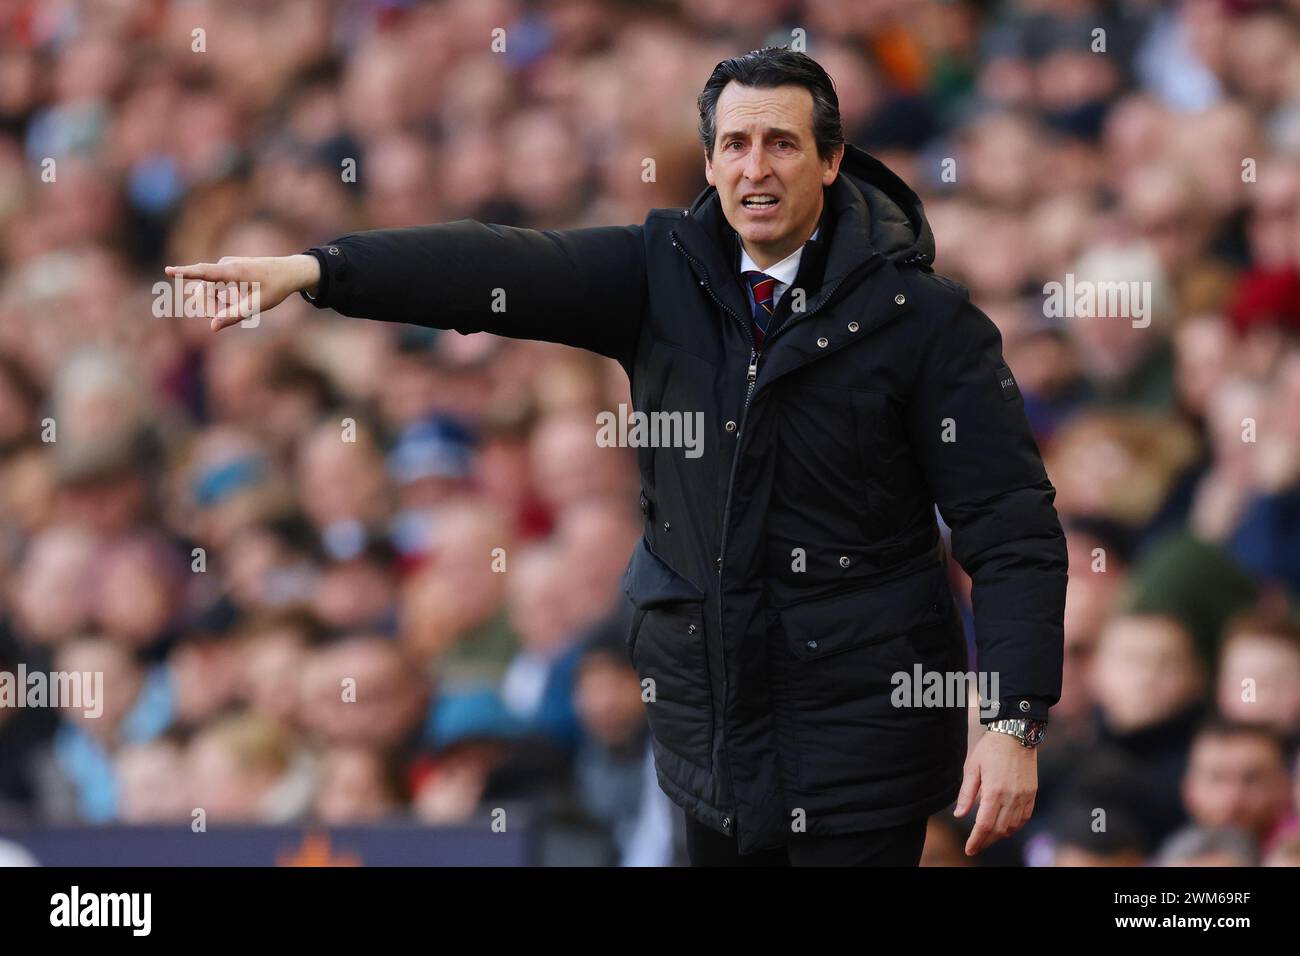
(1029, 732)
(306, 273)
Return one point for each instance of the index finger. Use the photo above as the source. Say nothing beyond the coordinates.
(210, 271)
(984, 821)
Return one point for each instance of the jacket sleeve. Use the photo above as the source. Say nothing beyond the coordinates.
(967, 424)
(580, 287)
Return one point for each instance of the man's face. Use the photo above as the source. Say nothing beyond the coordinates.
(766, 168)
(1144, 671)
(1235, 782)
(1273, 666)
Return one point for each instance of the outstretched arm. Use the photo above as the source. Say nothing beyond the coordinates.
(580, 287)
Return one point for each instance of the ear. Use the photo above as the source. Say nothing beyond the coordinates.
(708, 170)
(832, 166)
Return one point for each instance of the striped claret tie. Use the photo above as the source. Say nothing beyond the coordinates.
(762, 285)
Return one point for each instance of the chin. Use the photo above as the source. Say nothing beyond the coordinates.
(764, 232)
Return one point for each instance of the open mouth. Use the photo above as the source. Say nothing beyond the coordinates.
(760, 202)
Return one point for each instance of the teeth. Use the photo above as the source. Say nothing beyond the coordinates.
(760, 200)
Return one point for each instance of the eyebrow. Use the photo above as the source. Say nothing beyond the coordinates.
(774, 133)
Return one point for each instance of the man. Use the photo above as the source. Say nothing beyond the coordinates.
(1237, 777)
(791, 569)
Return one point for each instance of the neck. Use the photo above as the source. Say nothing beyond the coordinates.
(768, 254)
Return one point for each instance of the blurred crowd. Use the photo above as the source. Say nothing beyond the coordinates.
(347, 571)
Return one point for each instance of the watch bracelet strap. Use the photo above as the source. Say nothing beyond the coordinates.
(1013, 727)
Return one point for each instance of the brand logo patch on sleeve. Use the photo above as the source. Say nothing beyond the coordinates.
(1007, 383)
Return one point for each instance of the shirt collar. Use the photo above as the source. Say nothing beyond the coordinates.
(783, 272)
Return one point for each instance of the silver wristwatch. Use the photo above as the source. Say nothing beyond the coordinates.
(1029, 732)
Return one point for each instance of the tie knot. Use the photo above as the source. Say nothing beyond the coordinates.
(762, 285)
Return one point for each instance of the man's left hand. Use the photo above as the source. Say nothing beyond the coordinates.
(1003, 774)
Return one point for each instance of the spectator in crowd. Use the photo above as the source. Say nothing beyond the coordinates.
(246, 769)
(537, 685)
(357, 786)
(152, 783)
(610, 768)
(1083, 838)
(1237, 777)
(1198, 846)
(273, 651)
(1259, 674)
(1149, 685)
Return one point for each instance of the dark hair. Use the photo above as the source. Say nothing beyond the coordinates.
(1217, 727)
(1279, 624)
(770, 67)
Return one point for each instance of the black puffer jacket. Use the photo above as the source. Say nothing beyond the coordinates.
(796, 564)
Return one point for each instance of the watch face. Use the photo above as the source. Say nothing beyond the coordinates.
(1034, 731)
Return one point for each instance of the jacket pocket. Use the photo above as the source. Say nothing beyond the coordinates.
(875, 614)
(849, 657)
(666, 646)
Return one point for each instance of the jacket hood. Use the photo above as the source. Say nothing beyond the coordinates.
(874, 211)
(899, 228)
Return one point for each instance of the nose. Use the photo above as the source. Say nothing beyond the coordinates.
(756, 165)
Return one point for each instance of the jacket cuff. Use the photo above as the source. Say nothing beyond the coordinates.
(331, 263)
(1008, 708)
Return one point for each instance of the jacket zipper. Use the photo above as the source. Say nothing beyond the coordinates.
(751, 378)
